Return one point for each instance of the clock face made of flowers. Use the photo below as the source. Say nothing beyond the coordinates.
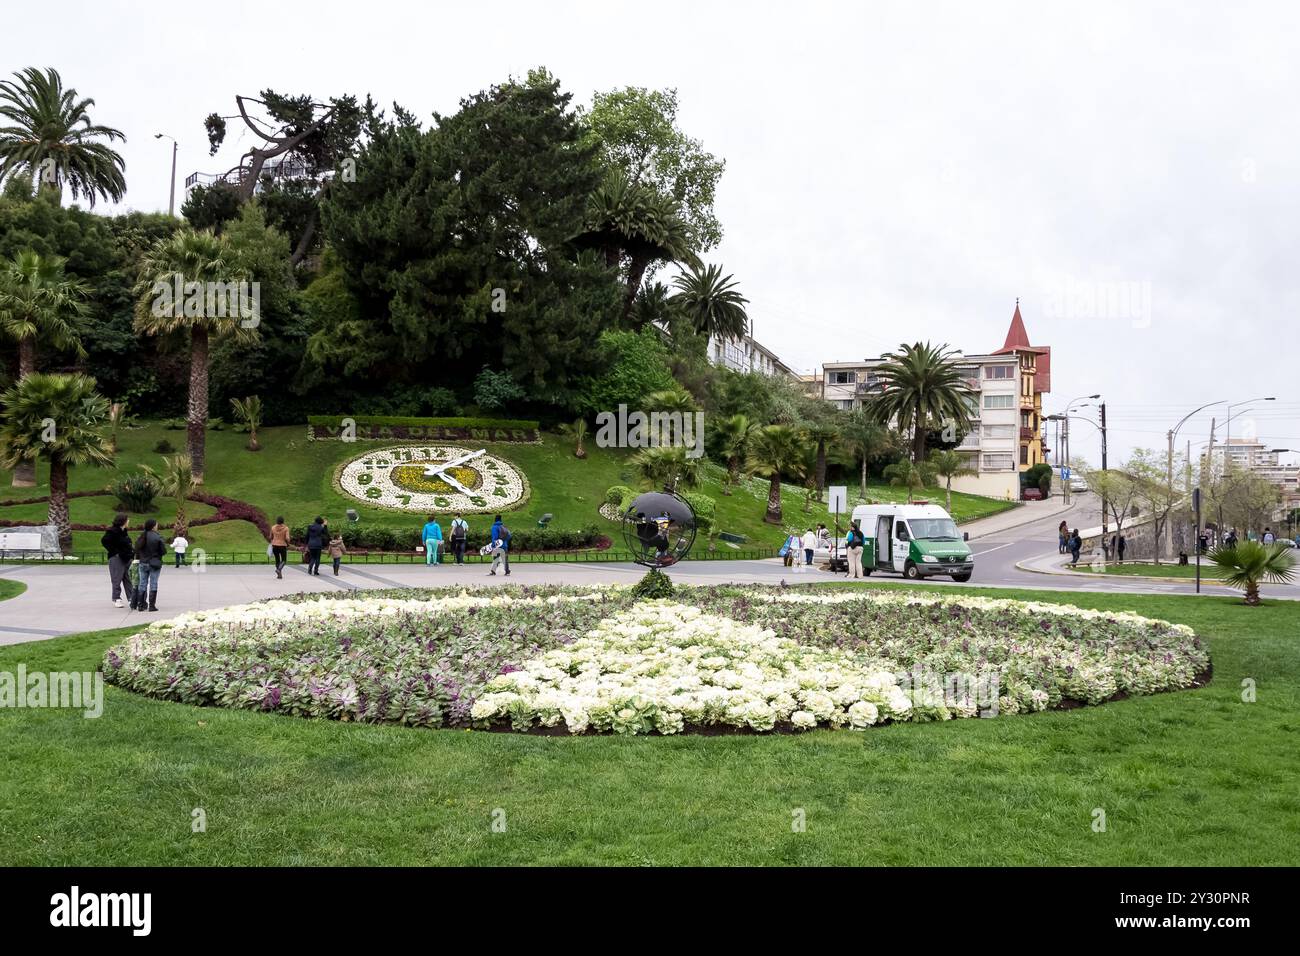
(423, 478)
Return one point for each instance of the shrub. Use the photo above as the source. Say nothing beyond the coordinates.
(493, 390)
(379, 538)
(136, 492)
(653, 586)
(164, 447)
(705, 509)
(617, 494)
(175, 424)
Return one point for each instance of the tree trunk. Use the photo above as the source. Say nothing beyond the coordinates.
(862, 492)
(918, 440)
(308, 234)
(948, 491)
(1252, 593)
(773, 515)
(181, 525)
(635, 273)
(25, 473)
(821, 468)
(197, 424)
(59, 502)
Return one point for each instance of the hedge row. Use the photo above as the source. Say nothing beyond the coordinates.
(406, 539)
(336, 421)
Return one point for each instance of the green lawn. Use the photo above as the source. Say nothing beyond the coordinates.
(295, 477)
(10, 589)
(1194, 777)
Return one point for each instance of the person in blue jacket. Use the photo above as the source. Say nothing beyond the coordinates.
(501, 553)
(431, 535)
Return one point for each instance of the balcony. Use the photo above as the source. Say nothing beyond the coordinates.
(1027, 434)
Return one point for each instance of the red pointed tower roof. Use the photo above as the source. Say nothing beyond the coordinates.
(1018, 338)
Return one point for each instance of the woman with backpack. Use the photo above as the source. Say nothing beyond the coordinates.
(150, 549)
(1076, 545)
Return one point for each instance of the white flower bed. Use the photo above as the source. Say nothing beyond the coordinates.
(369, 478)
(661, 666)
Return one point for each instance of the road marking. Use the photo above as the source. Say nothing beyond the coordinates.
(976, 554)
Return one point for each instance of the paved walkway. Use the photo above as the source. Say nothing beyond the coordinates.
(1029, 512)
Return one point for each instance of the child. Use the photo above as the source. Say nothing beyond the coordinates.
(337, 551)
(180, 545)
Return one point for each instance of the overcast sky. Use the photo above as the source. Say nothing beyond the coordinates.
(895, 171)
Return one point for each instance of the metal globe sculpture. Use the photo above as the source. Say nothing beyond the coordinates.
(659, 529)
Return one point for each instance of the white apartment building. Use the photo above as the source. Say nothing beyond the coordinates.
(1250, 454)
(746, 354)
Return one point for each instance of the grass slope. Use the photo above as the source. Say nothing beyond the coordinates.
(1194, 777)
(295, 477)
(10, 589)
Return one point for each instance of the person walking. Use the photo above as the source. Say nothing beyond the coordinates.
(809, 546)
(337, 550)
(117, 543)
(500, 537)
(789, 550)
(149, 551)
(180, 544)
(1231, 540)
(853, 543)
(1076, 545)
(1269, 537)
(317, 538)
(431, 537)
(1120, 545)
(459, 538)
(280, 545)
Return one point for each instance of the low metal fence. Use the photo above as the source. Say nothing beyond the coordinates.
(406, 557)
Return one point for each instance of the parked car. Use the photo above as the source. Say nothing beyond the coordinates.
(1078, 484)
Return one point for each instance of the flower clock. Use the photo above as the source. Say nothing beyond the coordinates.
(424, 478)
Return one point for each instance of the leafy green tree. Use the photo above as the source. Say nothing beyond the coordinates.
(635, 229)
(191, 257)
(249, 412)
(178, 482)
(637, 133)
(776, 451)
(1251, 562)
(495, 390)
(733, 435)
(949, 465)
(211, 206)
(59, 418)
(456, 243)
(666, 467)
(636, 365)
(711, 303)
(50, 136)
(821, 433)
(867, 440)
(912, 475)
(922, 388)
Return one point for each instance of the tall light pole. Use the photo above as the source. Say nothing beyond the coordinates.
(171, 199)
(1065, 415)
(1173, 433)
(1227, 439)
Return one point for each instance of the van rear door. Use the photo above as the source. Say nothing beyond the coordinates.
(885, 542)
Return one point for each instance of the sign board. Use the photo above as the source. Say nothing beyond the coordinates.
(839, 498)
(20, 541)
(1065, 474)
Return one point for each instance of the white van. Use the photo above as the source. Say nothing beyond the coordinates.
(916, 541)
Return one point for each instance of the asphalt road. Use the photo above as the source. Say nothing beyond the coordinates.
(66, 599)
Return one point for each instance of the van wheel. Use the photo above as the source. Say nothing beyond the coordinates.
(910, 570)
(961, 578)
(867, 571)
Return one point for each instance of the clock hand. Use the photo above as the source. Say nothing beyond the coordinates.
(432, 470)
(454, 483)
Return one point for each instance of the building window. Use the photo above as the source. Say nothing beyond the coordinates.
(999, 371)
(999, 431)
(1000, 461)
(846, 404)
(999, 401)
(1024, 454)
(842, 378)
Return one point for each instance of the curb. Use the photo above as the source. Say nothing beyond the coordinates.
(1020, 566)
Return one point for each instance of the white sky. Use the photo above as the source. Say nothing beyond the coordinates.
(894, 170)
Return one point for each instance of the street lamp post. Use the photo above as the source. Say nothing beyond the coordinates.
(171, 198)
(1227, 440)
(1173, 433)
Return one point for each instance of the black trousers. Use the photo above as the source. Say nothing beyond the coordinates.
(281, 553)
(313, 560)
(458, 547)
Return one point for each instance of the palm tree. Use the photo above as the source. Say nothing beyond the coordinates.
(37, 299)
(249, 411)
(820, 434)
(733, 437)
(188, 256)
(949, 465)
(666, 467)
(629, 222)
(912, 475)
(178, 482)
(711, 303)
(775, 451)
(50, 134)
(866, 439)
(58, 418)
(1250, 562)
(577, 430)
(921, 387)
(116, 416)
